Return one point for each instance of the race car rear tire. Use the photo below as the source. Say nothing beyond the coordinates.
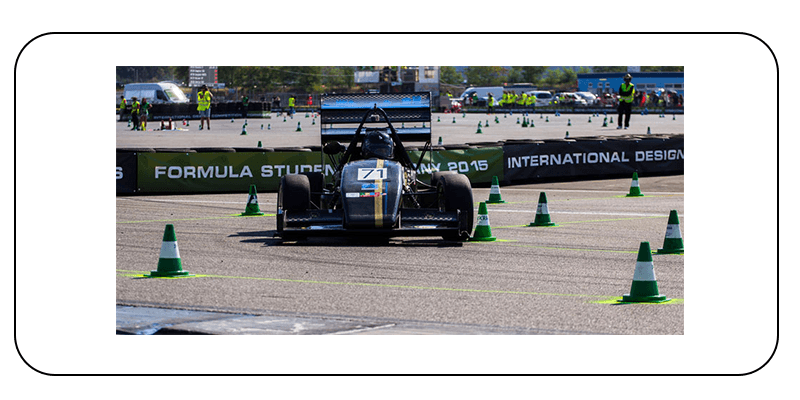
(438, 174)
(455, 193)
(294, 194)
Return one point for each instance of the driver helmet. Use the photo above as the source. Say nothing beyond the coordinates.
(627, 77)
(377, 144)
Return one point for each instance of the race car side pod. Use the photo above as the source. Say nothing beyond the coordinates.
(673, 242)
(169, 260)
(635, 191)
(252, 203)
(483, 232)
(644, 288)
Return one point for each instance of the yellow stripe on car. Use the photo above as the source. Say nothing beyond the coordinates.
(379, 197)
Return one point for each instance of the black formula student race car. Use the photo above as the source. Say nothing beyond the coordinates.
(374, 191)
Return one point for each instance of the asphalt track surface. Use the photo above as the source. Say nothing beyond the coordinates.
(561, 280)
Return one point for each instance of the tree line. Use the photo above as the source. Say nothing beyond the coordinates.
(310, 79)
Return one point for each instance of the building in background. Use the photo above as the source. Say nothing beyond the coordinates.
(396, 79)
(608, 82)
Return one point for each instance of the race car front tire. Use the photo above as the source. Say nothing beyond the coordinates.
(294, 194)
(455, 193)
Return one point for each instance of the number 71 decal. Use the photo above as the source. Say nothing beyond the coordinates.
(371, 174)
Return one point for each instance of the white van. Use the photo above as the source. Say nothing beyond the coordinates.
(543, 98)
(482, 92)
(161, 92)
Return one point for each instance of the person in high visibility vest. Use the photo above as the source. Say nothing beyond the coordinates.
(490, 104)
(204, 106)
(144, 112)
(521, 99)
(122, 108)
(626, 92)
(530, 101)
(291, 105)
(135, 113)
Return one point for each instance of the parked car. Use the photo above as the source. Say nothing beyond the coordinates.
(543, 98)
(161, 92)
(571, 99)
(590, 98)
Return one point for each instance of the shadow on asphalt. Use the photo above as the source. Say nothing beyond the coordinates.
(269, 238)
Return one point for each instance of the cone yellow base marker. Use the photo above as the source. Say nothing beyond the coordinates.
(483, 232)
(252, 203)
(169, 260)
(494, 192)
(644, 288)
(635, 191)
(673, 241)
(542, 213)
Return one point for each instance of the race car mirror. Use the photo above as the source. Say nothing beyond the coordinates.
(332, 148)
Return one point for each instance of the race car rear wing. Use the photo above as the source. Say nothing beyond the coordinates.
(409, 113)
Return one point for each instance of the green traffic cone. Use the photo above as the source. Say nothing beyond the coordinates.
(673, 242)
(517, 120)
(644, 288)
(259, 143)
(569, 122)
(635, 191)
(454, 120)
(169, 260)
(440, 140)
(542, 213)
(479, 128)
(648, 130)
(244, 129)
(299, 129)
(252, 202)
(567, 135)
(483, 232)
(547, 119)
(494, 192)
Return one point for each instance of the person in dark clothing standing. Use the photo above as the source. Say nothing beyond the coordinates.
(626, 93)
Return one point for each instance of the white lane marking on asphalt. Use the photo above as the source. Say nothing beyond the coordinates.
(193, 201)
(363, 329)
(579, 190)
(582, 212)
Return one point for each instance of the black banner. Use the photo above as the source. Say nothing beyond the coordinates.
(589, 159)
(126, 172)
